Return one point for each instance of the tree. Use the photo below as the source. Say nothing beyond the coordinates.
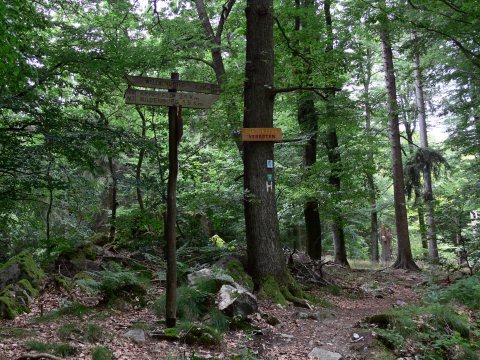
(427, 173)
(265, 257)
(333, 149)
(404, 256)
(308, 120)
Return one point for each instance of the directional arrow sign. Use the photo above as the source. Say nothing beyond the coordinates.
(180, 85)
(188, 100)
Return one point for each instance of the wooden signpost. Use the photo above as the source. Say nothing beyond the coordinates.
(199, 99)
(261, 134)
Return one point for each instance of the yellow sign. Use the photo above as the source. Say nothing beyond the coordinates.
(261, 134)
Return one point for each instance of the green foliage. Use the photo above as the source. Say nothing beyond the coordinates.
(61, 349)
(70, 309)
(115, 282)
(465, 291)
(102, 353)
(435, 330)
(94, 333)
(67, 330)
(192, 303)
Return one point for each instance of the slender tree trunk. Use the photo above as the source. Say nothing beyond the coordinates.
(173, 139)
(409, 130)
(372, 191)
(113, 198)
(333, 151)
(265, 257)
(308, 120)
(404, 256)
(427, 174)
(138, 170)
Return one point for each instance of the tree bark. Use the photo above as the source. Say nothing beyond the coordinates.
(333, 152)
(308, 120)
(171, 237)
(409, 130)
(265, 257)
(404, 257)
(215, 37)
(372, 191)
(427, 174)
(138, 170)
(113, 199)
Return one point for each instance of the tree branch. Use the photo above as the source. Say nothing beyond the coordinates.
(294, 51)
(223, 17)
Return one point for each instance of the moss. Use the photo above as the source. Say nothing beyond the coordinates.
(203, 335)
(9, 308)
(64, 282)
(235, 269)
(271, 290)
(82, 275)
(29, 268)
(27, 286)
(172, 333)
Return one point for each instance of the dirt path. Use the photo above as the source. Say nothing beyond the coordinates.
(295, 337)
(299, 331)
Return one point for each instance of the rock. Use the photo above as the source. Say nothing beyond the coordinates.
(205, 274)
(20, 267)
(302, 315)
(271, 320)
(323, 354)
(137, 335)
(317, 315)
(236, 302)
(20, 278)
(376, 290)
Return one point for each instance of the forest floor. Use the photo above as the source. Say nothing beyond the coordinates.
(334, 326)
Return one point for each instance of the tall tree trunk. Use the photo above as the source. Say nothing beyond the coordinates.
(333, 150)
(372, 191)
(265, 257)
(427, 174)
(113, 198)
(308, 120)
(409, 130)
(141, 155)
(404, 257)
(174, 131)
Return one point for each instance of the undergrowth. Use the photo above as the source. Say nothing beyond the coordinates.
(61, 349)
(439, 328)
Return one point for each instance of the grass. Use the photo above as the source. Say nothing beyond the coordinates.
(61, 349)
(102, 353)
(74, 309)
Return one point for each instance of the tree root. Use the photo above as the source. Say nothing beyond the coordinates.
(34, 356)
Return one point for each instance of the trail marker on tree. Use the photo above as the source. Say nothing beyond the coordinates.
(175, 101)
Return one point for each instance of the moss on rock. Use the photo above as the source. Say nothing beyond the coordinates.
(9, 308)
(235, 269)
(27, 286)
(28, 268)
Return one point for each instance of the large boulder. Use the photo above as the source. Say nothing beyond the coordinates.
(231, 298)
(20, 267)
(236, 302)
(20, 281)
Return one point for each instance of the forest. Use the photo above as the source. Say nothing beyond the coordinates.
(239, 179)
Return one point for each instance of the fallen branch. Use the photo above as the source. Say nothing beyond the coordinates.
(32, 356)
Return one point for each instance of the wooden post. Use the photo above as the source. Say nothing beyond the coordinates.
(171, 303)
